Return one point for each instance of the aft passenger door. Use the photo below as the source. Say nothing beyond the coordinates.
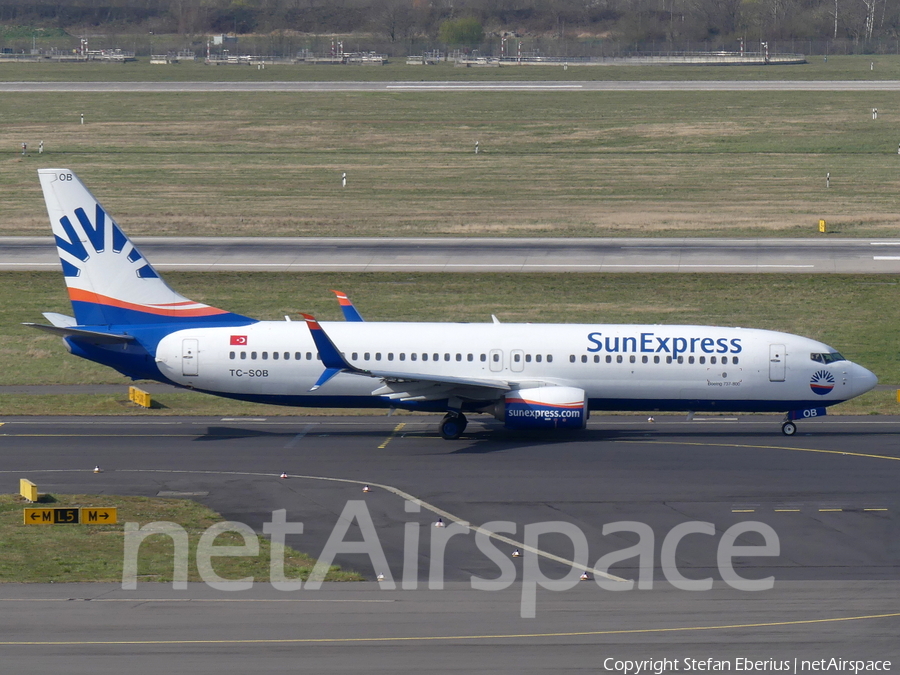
(776, 363)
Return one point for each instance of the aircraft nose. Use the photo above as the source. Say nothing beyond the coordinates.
(863, 380)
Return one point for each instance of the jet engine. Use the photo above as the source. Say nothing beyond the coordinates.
(543, 408)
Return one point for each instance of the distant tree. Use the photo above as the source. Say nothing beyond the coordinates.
(466, 32)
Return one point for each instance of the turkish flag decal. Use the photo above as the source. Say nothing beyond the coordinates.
(239, 339)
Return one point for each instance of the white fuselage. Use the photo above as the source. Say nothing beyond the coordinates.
(624, 367)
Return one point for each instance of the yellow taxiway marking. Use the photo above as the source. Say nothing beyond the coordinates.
(824, 510)
(764, 447)
(787, 510)
(435, 638)
(874, 509)
(392, 435)
(743, 510)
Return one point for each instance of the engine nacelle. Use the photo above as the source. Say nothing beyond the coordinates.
(544, 408)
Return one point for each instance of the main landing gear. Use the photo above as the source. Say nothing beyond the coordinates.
(453, 425)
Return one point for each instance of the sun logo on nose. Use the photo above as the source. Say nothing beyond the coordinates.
(822, 382)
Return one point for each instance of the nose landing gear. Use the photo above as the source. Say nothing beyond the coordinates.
(788, 428)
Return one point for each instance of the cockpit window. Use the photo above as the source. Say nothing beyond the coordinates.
(830, 357)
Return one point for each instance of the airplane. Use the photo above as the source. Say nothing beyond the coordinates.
(528, 376)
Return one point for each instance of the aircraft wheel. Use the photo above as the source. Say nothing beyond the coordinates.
(789, 428)
(452, 426)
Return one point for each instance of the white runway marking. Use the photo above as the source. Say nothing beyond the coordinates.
(886, 257)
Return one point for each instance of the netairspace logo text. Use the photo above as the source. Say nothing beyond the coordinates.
(742, 665)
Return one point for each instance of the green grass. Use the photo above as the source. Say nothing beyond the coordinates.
(552, 164)
(73, 553)
(856, 314)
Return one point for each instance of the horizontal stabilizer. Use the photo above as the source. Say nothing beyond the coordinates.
(90, 336)
(60, 319)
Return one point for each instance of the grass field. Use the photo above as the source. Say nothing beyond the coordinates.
(73, 553)
(748, 164)
(551, 164)
(858, 315)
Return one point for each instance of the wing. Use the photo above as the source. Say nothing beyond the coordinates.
(405, 386)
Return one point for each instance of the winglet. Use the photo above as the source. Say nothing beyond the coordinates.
(350, 312)
(331, 356)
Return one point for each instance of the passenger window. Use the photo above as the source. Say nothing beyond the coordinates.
(366, 356)
(355, 356)
(690, 359)
(446, 357)
(734, 360)
(537, 358)
(287, 356)
(243, 355)
(378, 356)
(619, 358)
(275, 355)
(668, 359)
(655, 359)
(643, 359)
(483, 358)
(470, 357)
(402, 356)
(496, 358)
(231, 355)
(596, 358)
(608, 358)
(549, 358)
(518, 357)
(724, 359)
(571, 358)
(712, 359)
(459, 357)
(632, 358)
(318, 356)
(413, 356)
(253, 356)
(298, 356)
(680, 359)
(528, 358)
(435, 357)
(702, 360)
(424, 357)
(390, 356)
(584, 358)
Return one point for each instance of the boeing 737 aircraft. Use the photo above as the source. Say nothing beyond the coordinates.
(528, 376)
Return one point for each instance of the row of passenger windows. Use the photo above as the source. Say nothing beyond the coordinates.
(656, 359)
(495, 357)
(298, 356)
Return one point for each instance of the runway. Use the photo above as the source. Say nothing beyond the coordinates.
(400, 86)
(828, 493)
(295, 254)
